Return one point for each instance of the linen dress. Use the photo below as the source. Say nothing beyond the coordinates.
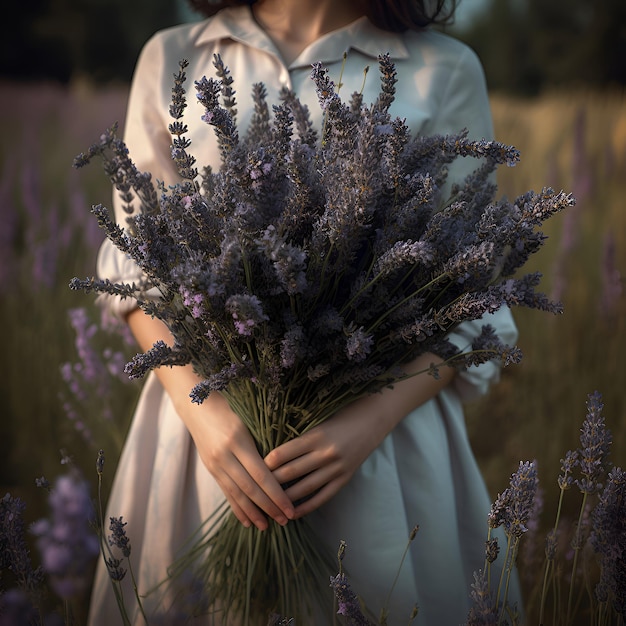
(424, 472)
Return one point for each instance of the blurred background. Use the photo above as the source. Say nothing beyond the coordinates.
(556, 72)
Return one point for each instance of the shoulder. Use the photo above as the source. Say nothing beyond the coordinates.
(227, 23)
(176, 38)
(437, 50)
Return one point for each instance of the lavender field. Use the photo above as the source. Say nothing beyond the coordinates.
(61, 384)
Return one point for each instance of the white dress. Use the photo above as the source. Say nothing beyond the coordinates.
(424, 472)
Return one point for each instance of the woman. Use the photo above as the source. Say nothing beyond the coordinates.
(383, 464)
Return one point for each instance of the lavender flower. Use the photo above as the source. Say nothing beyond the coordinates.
(115, 569)
(16, 609)
(66, 542)
(513, 507)
(595, 443)
(491, 550)
(14, 552)
(118, 536)
(359, 344)
(608, 540)
(100, 462)
(348, 602)
(568, 464)
(483, 611)
(524, 483)
(247, 312)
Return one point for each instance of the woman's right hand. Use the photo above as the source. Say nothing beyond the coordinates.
(228, 451)
(224, 444)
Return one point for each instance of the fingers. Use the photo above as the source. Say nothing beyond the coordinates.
(288, 451)
(319, 498)
(253, 493)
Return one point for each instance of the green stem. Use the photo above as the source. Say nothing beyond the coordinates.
(575, 561)
(504, 569)
(395, 580)
(104, 548)
(136, 590)
(549, 562)
(509, 570)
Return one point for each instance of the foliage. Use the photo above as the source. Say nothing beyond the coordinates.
(45, 241)
(71, 38)
(527, 47)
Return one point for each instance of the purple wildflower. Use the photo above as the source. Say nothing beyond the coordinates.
(100, 462)
(14, 552)
(551, 544)
(66, 542)
(513, 507)
(359, 344)
(118, 537)
(608, 540)
(491, 550)
(115, 569)
(247, 313)
(568, 464)
(16, 609)
(524, 483)
(292, 347)
(483, 611)
(348, 603)
(595, 443)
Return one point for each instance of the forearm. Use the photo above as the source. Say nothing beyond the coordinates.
(320, 462)
(391, 405)
(177, 381)
(224, 444)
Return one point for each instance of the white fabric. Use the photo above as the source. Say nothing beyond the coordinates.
(424, 472)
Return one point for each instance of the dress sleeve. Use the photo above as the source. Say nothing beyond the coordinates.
(148, 140)
(464, 103)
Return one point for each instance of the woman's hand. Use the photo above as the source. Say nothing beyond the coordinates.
(321, 461)
(227, 450)
(324, 459)
(224, 444)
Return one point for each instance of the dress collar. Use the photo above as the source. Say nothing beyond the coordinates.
(239, 24)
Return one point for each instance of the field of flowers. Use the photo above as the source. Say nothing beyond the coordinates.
(61, 385)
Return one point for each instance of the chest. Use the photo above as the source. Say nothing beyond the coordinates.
(413, 102)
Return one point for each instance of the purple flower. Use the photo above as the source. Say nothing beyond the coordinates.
(608, 540)
(14, 552)
(484, 611)
(16, 609)
(118, 537)
(595, 443)
(568, 464)
(247, 313)
(347, 601)
(514, 506)
(66, 542)
(358, 344)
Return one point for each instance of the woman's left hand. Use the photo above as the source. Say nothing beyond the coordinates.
(317, 464)
(322, 460)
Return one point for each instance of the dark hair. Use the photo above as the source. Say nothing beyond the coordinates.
(392, 15)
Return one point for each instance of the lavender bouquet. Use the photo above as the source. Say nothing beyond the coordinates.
(304, 273)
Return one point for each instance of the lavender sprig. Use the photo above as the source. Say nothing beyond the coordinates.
(14, 552)
(595, 443)
(348, 604)
(608, 540)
